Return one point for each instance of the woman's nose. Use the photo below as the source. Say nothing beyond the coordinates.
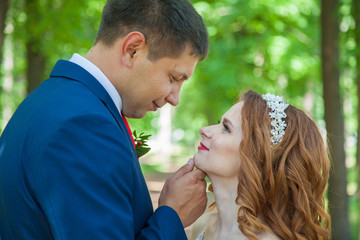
(204, 132)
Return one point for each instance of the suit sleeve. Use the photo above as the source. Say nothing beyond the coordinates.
(163, 224)
(84, 182)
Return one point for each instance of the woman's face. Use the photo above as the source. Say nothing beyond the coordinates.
(218, 153)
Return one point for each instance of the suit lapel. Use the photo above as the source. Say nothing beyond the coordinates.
(67, 69)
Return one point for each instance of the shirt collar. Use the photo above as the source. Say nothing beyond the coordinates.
(100, 76)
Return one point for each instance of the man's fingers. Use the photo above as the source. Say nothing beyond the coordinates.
(199, 174)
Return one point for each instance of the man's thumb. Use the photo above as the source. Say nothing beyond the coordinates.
(188, 167)
(191, 163)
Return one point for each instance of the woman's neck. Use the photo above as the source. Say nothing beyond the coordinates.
(226, 225)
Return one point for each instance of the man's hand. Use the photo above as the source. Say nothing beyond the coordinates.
(185, 192)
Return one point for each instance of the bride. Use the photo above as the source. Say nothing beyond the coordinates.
(268, 168)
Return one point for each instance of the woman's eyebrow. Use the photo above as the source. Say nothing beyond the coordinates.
(228, 122)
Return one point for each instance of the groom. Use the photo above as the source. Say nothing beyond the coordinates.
(68, 168)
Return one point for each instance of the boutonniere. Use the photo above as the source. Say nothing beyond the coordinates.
(141, 146)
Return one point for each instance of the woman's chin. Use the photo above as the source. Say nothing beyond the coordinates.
(197, 163)
(195, 158)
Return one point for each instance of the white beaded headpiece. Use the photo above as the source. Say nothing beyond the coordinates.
(277, 106)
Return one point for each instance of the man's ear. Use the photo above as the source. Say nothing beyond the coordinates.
(132, 43)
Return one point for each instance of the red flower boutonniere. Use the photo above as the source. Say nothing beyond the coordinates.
(141, 146)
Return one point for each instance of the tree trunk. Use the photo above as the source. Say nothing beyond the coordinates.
(356, 15)
(36, 59)
(35, 67)
(337, 194)
(4, 6)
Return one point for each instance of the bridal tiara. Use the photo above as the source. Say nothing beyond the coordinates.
(277, 106)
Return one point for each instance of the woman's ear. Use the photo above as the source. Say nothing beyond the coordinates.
(131, 44)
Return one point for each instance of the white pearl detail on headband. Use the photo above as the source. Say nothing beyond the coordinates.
(277, 106)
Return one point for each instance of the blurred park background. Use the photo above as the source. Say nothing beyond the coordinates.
(305, 50)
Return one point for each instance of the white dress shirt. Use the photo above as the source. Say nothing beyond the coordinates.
(100, 76)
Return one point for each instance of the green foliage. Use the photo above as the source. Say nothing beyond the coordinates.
(61, 27)
(269, 46)
(141, 147)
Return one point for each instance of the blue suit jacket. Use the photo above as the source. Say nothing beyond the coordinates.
(68, 169)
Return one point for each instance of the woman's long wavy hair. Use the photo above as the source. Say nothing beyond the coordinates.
(281, 187)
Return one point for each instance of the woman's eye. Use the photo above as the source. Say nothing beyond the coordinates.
(226, 128)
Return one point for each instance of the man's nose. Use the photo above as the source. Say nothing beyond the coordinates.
(173, 97)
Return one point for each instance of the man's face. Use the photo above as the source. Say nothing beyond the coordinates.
(153, 84)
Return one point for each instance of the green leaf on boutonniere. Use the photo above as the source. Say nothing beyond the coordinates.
(141, 146)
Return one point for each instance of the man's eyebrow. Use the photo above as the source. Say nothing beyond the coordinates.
(227, 121)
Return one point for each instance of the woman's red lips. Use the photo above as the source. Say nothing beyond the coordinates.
(202, 147)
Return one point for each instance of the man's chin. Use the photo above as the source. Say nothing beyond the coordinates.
(136, 115)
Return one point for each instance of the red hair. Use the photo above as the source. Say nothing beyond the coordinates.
(281, 187)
